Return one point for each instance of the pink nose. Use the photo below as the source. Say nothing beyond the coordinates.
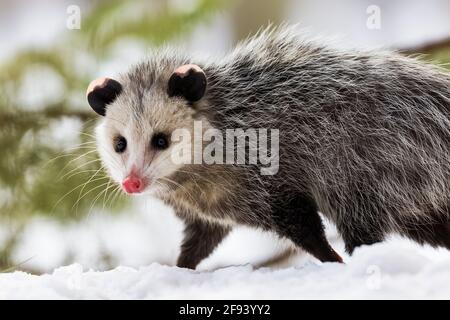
(133, 184)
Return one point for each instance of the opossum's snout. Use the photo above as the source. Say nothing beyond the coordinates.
(134, 184)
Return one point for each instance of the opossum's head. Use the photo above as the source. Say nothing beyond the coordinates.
(140, 112)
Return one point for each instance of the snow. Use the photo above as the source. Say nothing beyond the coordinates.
(144, 243)
(143, 233)
(146, 232)
(390, 270)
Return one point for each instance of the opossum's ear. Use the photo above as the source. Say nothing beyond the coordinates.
(188, 81)
(101, 92)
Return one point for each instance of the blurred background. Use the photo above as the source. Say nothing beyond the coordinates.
(56, 204)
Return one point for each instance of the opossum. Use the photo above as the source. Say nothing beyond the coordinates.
(364, 138)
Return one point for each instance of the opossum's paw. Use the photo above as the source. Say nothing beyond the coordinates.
(321, 249)
(328, 254)
(337, 257)
(184, 262)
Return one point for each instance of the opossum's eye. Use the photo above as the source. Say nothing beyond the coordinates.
(188, 81)
(160, 141)
(102, 92)
(120, 144)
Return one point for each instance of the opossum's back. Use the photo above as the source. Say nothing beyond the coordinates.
(389, 152)
(367, 128)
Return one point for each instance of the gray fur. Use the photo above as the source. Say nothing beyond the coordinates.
(364, 138)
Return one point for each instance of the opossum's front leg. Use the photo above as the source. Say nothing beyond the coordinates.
(200, 240)
(297, 218)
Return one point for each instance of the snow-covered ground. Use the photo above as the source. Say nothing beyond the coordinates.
(394, 269)
(397, 269)
(145, 232)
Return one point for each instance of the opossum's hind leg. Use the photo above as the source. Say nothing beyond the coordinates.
(297, 219)
(435, 233)
(200, 240)
(363, 227)
(358, 235)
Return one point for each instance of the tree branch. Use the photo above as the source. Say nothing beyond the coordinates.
(54, 112)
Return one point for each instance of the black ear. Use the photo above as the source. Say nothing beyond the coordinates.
(102, 92)
(188, 81)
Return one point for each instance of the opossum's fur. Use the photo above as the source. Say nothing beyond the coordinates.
(364, 138)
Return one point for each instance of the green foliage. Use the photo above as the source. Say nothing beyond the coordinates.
(438, 53)
(163, 22)
(441, 57)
